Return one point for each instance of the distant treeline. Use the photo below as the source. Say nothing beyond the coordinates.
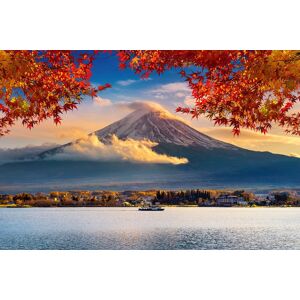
(208, 197)
(138, 198)
(188, 197)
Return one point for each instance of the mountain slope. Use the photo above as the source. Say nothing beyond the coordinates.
(159, 127)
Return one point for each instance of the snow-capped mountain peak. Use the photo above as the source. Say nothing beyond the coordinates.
(158, 125)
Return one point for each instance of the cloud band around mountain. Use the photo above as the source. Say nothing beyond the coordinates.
(138, 151)
(24, 153)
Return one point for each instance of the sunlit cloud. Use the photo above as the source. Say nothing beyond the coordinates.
(172, 87)
(91, 148)
(147, 106)
(102, 101)
(189, 101)
(171, 90)
(295, 155)
(275, 143)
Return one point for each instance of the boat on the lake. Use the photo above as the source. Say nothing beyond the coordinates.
(151, 208)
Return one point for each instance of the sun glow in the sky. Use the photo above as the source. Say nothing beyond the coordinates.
(168, 90)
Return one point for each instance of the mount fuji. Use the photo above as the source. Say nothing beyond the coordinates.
(161, 127)
(153, 123)
(209, 162)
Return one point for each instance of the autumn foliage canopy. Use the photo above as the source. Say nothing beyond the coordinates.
(37, 85)
(249, 89)
(240, 89)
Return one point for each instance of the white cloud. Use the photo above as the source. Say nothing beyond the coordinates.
(189, 101)
(147, 106)
(15, 154)
(171, 90)
(102, 101)
(126, 82)
(92, 148)
(131, 81)
(180, 95)
(144, 105)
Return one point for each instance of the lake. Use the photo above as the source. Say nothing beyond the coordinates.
(128, 228)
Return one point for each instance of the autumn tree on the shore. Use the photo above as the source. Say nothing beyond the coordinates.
(236, 88)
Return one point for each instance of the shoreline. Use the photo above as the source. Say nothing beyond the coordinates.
(164, 206)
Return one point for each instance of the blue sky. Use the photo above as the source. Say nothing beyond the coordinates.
(106, 69)
(126, 85)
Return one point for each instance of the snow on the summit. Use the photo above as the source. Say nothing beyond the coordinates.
(152, 122)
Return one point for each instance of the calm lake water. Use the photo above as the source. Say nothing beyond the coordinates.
(127, 228)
